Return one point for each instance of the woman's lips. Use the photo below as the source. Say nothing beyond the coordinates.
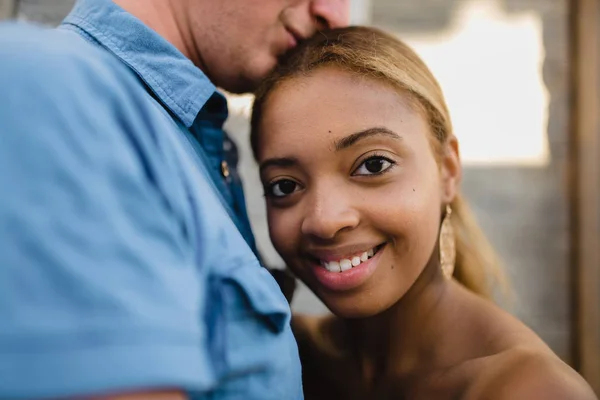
(350, 277)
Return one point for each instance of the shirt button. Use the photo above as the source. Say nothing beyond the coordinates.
(225, 169)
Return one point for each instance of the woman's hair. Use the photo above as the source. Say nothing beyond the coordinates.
(371, 53)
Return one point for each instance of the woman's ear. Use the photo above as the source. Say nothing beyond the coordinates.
(451, 170)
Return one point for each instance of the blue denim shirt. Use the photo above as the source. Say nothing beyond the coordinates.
(120, 265)
(221, 156)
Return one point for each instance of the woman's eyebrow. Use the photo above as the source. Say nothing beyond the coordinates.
(278, 162)
(352, 139)
(339, 144)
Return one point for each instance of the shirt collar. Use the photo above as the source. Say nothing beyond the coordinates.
(175, 80)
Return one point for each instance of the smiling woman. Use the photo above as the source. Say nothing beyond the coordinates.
(475, 261)
(361, 173)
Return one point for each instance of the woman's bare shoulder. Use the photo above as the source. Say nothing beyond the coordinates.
(328, 370)
(322, 334)
(523, 373)
(303, 323)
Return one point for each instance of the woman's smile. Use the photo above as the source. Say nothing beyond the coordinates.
(339, 273)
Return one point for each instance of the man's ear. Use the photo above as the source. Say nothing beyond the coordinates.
(451, 170)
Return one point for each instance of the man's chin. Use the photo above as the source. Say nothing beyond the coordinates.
(241, 86)
(249, 80)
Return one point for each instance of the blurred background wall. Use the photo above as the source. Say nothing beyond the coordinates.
(507, 69)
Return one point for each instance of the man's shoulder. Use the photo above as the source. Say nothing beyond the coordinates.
(25, 42)
(54, 80)
(63, 98)
(41, 59)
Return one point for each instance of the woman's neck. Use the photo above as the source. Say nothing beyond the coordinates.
(407, 336)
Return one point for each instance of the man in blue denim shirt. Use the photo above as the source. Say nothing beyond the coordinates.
(126, 262)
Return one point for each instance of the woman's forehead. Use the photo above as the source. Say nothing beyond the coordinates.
(331, 103)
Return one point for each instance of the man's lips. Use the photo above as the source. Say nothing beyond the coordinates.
(293, 39)
(296, 35)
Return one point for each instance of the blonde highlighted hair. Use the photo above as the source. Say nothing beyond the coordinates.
(371, 53)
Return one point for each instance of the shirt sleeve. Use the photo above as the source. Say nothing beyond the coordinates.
(98, 286)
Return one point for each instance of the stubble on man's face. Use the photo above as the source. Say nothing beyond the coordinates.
(238, 43)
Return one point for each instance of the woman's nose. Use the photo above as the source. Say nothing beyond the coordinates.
(328, 213)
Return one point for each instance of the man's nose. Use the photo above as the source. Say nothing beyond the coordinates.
(331, 13)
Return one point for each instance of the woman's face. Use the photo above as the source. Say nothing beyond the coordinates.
(354, 192)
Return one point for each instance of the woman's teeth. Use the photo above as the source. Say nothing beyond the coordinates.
(347, 263)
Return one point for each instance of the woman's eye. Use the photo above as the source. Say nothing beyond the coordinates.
(374, 166)
(282, 188)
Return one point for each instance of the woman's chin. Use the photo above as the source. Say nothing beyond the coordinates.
(354, 309)
(364, 302)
